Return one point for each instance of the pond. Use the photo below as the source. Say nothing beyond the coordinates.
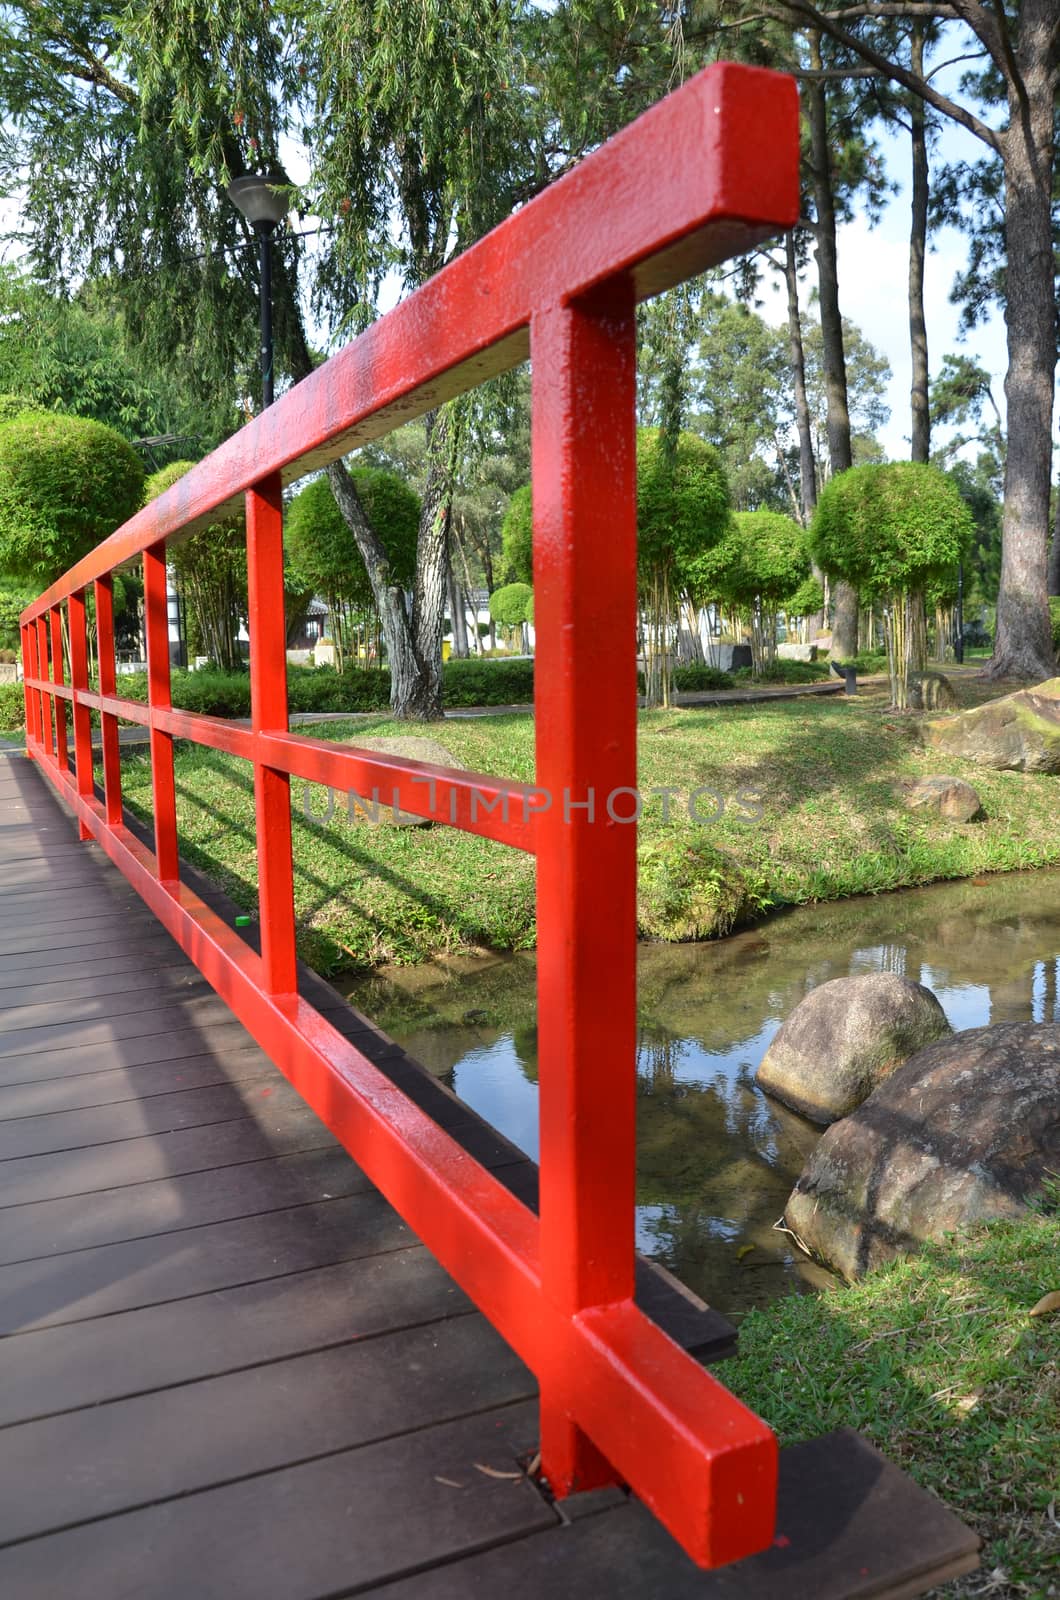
(716, 1157)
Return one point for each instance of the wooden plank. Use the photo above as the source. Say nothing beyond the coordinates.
(199, 1010)
(171, 1044)
(163, 976)
(62, 966)
(171, 986)
(241, 1064)
(142, 1272)
(220, 1144)
(133, 1119)
(322, 1528)
(248, 1422)
(850, 1526)
(133, 1352)
(50, 1227)
(110, 929)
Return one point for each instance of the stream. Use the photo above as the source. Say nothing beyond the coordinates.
(716, 1157)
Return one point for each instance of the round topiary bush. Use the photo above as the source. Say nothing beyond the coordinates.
(66, 483)
(512, 605)
(687, 889)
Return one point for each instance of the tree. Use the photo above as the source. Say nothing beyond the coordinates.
(892, 530)
(758, 567)
(683, 509)
(323, 556)
(65, 484)
(1020, 43)
(517, 538)
(513, 606)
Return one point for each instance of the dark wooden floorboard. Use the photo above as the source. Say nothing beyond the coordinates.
(227, 1368)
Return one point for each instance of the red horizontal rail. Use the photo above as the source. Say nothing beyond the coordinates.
(709, 171)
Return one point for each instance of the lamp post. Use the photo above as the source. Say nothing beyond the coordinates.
(264, 204)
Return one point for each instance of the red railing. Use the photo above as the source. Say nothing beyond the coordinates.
(705, 174)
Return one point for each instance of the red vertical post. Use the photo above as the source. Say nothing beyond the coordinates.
(30, 696)
(268, 705)
(585, 557)
(46, 700)
(62, 754)
(82, 719)
(163, 783)
(108, 685)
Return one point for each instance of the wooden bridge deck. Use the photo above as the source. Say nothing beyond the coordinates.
(227, 1367)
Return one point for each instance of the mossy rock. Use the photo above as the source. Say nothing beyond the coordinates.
(1020, 732)
(687, 889)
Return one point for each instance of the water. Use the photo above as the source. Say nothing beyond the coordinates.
(716, 1158)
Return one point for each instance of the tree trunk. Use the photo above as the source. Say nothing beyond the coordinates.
(457, 613)
(807, 466)
(845, 620)
(920, 441)
(1023, 643)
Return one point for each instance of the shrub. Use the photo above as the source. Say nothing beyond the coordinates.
(511, 605)
(785, 672)
(487, 683)
(12, 706)
(1054, 613)
(65, 484)
(698, 676)
(687, 889)
(517, 538)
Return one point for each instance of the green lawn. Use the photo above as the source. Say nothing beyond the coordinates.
(810, 813)
(937, 1361)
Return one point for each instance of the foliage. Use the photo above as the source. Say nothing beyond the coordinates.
(210, 569)
(12, 707)
(66, 483)
(517, 538)
(14, 598)
(511, 605)
(682, 507)
(755, 569)
(323, 558)
(73, 355)
(807, 600)
(740, 401)
(1054, 618)
(888, 529)
(15, 405)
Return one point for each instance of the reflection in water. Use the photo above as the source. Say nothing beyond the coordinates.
(717, 1159)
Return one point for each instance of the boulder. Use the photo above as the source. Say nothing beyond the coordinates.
(965, 1132)
(1021, 731)
(410, 747)
(844, 1039)
(951, 797)
(796, 652)
(932, 691)
(686, 889)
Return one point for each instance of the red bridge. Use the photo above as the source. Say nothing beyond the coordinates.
(232, 1369)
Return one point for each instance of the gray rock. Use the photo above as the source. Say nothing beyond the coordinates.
(796, 652)
(844, 1038)
(410, 747)
(932, 691)
(1020, 732)
(965, 1132)
(951, 797)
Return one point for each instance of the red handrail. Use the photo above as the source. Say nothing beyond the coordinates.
(706, 173)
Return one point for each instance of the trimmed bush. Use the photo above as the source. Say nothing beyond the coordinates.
(65, 484)
(512, 605)
(517, 538)
(698, 675)
(487, 683)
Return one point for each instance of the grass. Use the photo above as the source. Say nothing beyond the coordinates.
(937, 1361)
(802, 794)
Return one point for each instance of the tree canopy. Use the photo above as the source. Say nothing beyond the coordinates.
(890, 528)
(517, 538)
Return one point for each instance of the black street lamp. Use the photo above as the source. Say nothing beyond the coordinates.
(264, 203)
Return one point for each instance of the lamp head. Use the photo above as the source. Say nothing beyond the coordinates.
(263, 201)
